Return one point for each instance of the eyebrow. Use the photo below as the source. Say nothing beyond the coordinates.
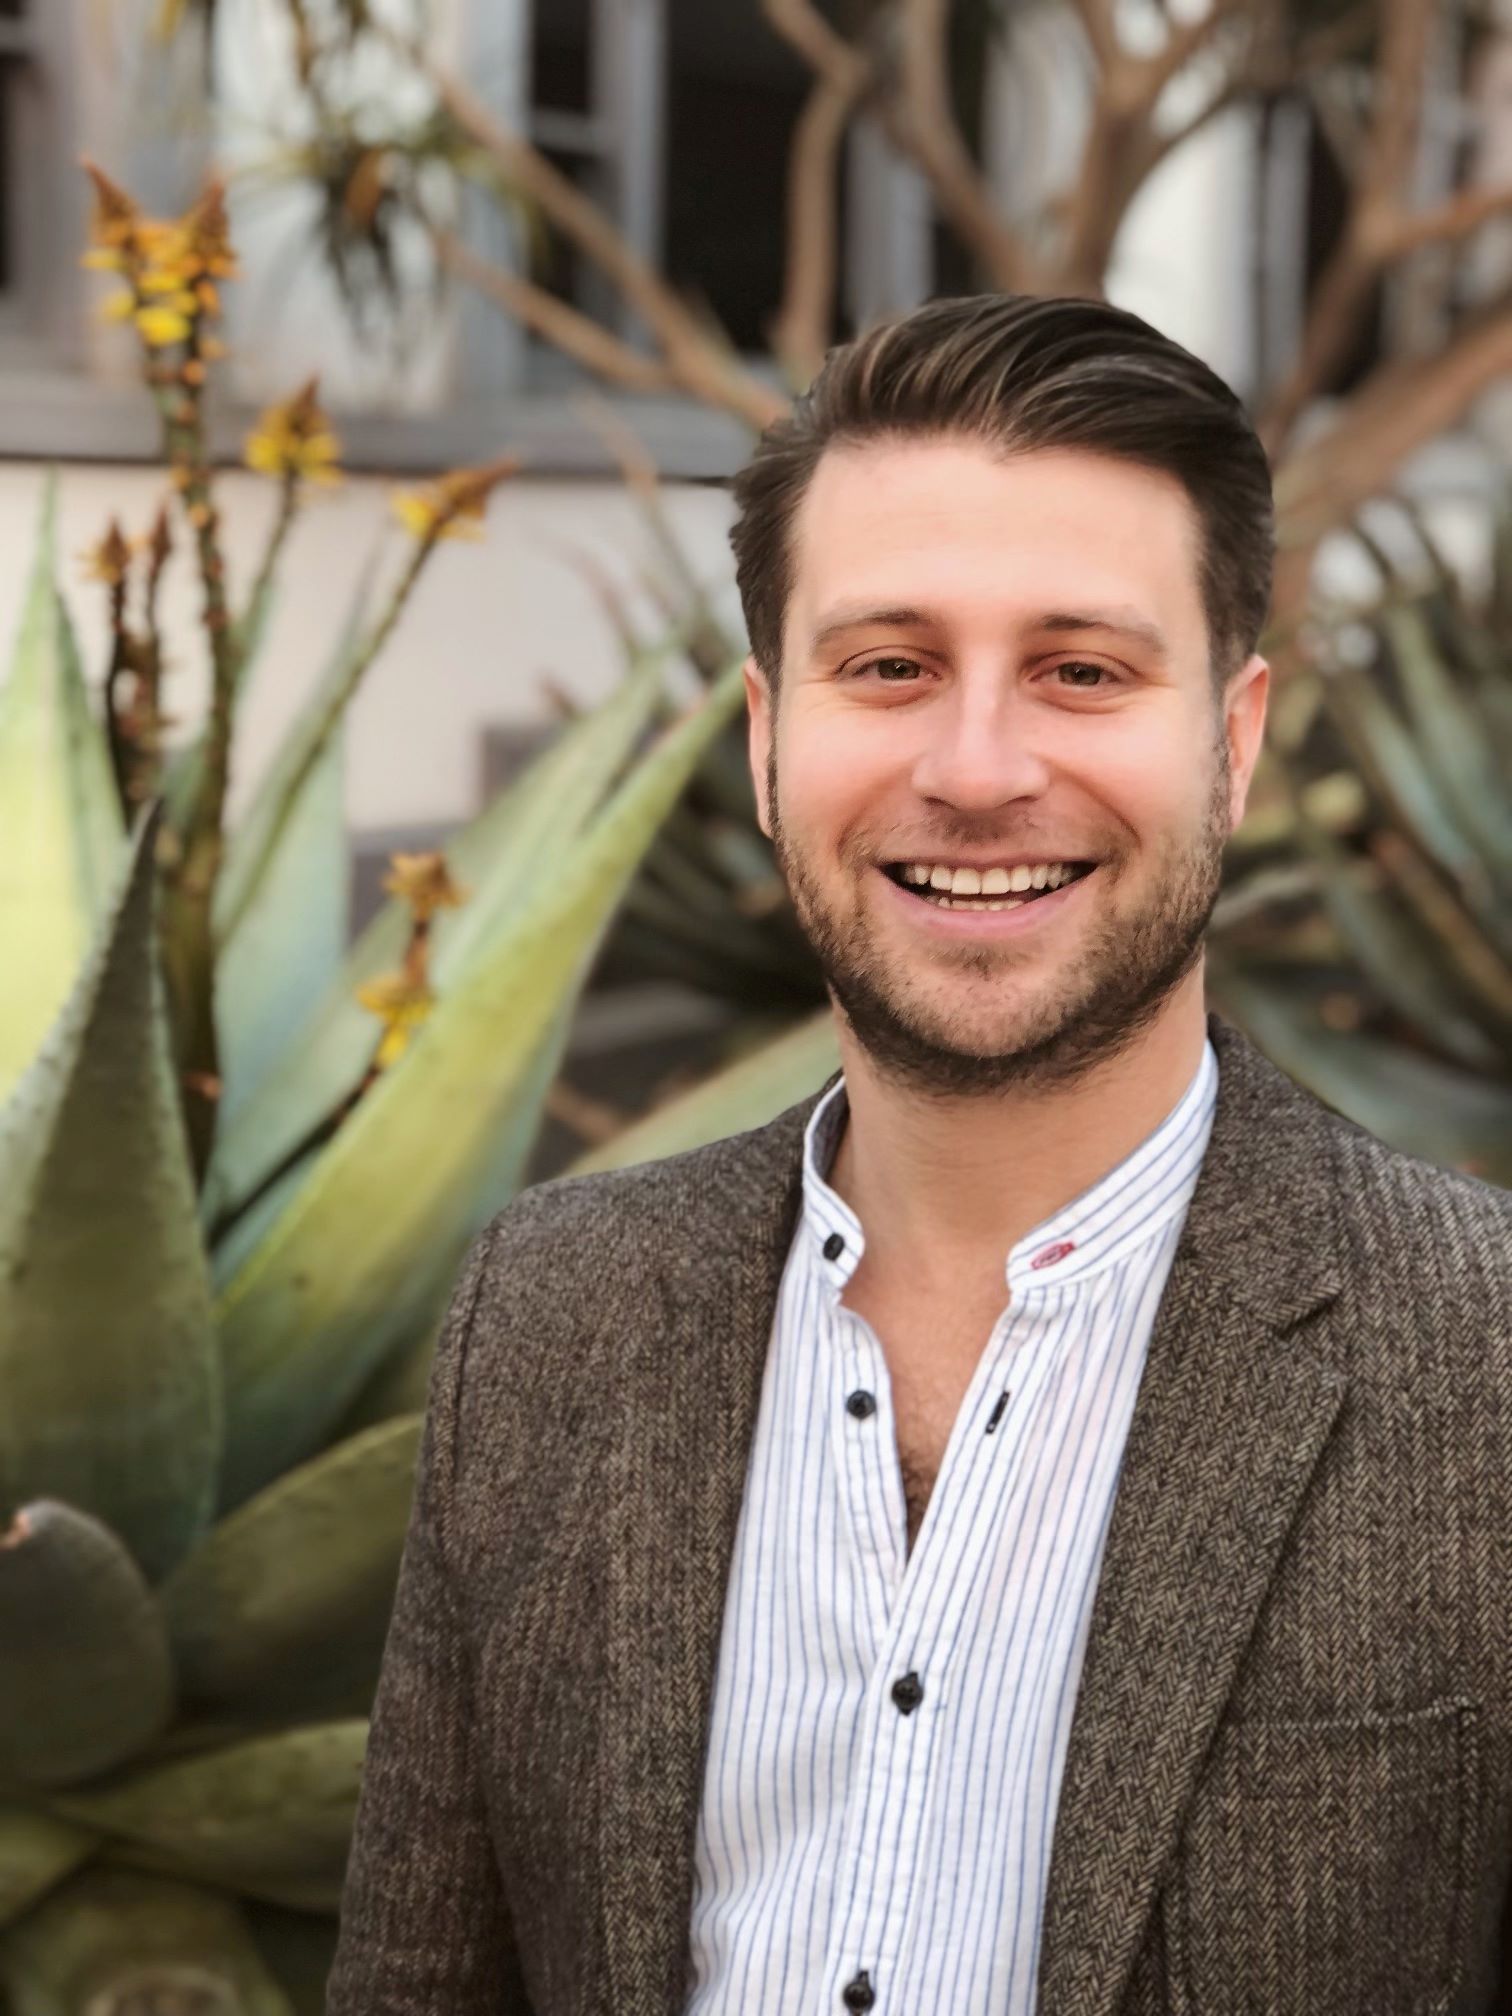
(1123, 622)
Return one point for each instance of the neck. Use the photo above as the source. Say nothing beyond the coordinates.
(945, 1187)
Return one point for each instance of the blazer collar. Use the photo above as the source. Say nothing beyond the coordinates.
(1227, 1405)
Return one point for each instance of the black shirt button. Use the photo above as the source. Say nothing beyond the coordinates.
(908, 1692)
(834, 1246)
(858, 1994)
(860, 1405)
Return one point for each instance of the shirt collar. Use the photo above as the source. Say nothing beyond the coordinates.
(1122, 1210)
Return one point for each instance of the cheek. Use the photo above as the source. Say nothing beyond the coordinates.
(831, 775)
(1146, 773)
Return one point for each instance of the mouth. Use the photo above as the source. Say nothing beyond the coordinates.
(944, 887)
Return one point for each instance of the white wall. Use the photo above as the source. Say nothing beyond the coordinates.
(487, 625)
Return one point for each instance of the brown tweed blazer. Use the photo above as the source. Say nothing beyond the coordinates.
(1289, 1784)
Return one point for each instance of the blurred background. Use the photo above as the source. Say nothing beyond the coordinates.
(375, 834)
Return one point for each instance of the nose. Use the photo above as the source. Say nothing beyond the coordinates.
(980, 753)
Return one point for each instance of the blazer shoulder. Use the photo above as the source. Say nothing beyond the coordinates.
(650, 1209)
(1429, 1236)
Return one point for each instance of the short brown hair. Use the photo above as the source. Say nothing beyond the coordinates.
(1024, 372)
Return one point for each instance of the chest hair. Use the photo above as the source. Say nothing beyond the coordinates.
(932, 1355)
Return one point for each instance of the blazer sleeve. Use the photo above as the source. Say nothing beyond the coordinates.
(424, 1925)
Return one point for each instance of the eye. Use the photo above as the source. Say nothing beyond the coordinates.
(1082, 665)
(891, 671)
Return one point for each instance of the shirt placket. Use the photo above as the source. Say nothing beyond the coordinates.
(909, 1693)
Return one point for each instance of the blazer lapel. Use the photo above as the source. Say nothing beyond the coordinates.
(1231, 1417)
(694, 1372)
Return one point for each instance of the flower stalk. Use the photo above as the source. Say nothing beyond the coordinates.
(170, 272)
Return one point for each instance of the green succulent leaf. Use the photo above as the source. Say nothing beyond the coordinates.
(402, 1380)
(308, 1318)
(85, 1676)
(107, 1348)
(285, 1606)
(110, 1942)
(495, 857)
(1412, 1102)
(36, 1852)
(745, 1094)
(291, 940)
(271, 1817)
(60, 823)
(261, 835)
(1453, 740)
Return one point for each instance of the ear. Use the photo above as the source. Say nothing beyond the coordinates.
(759, 704)
(1244, 702)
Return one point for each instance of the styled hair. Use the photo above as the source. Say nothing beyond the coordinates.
(1023, 372)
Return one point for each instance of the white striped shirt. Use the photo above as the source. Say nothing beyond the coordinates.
(854, 1841)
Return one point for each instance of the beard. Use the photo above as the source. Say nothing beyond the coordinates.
(1057, 1025)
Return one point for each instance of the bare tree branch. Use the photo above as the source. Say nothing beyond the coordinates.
(700, 365)
(576, 335)
(934, 140)
(1464, 212)
(1096, 18)
(823, 48)
(1402, 407)
(1343, 289)
(805, 318)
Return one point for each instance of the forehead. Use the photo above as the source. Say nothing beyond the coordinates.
(954, 525)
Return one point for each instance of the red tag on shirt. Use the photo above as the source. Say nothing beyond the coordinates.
(1050, 1254)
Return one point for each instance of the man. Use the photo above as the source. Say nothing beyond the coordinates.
(1030, 1529)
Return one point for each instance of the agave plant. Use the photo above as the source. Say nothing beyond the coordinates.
(240, 1161)
(202, 1540)
(1365, 938)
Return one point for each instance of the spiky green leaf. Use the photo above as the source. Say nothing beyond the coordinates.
(85, 1677)
(271, 1817)
(495, 857)
(291, 941)
(308, 1318)
(60, 823)
(284, 1606)
(745, 1094)
(107, 1350)
(36, 1852)
(110, 1941)
(1412, 1102)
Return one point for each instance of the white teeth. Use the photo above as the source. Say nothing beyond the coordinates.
(986, 881)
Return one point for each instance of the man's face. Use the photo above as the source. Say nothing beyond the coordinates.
(997, 664)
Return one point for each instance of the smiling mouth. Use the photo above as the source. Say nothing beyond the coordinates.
(953, 890)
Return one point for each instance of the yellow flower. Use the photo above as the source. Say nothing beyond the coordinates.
(452, 507)
(295, 439)
(207, 230)
(424, 882)
(120, 306)
(401, 1004)
(109, 560)
(116, 221)
(161, 326)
